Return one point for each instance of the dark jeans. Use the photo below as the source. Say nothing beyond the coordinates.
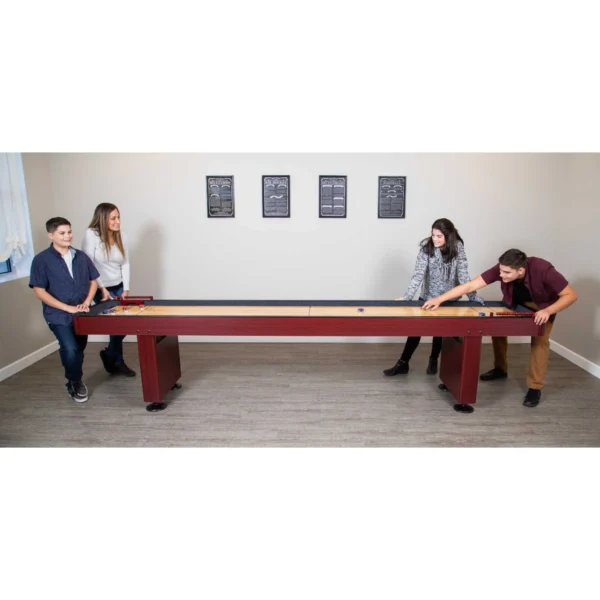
(413, 342)
(115, 345)
(71, 347)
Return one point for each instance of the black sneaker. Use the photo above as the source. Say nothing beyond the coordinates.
(400, 368)
(107, 361)
(432, 366)
(532, 398)
(77, 390)
(123, 369)
(493, 374)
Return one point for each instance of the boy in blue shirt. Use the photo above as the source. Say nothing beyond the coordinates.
(64, 279)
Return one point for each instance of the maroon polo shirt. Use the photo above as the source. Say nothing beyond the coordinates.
(542, 280)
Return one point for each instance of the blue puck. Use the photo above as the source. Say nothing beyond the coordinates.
(481, 314)
(361, 310)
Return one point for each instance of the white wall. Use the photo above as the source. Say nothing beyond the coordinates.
(576, 226)
(177, 252)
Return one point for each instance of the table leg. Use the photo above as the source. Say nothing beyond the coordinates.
(459, 370)
(160, 368)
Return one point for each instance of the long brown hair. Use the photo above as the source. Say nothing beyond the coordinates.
(99, 223)
(450, 250)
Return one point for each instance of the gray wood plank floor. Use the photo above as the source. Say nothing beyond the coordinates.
(298, 395)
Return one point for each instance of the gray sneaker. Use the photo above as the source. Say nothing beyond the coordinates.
(77, 390)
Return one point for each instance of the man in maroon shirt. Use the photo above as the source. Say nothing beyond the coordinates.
(532, 282)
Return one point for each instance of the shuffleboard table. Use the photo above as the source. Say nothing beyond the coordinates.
(158, 323)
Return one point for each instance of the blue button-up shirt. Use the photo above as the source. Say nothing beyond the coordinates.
(49, 271)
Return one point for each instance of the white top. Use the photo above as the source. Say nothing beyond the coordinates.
(113, 269)
(68, 258)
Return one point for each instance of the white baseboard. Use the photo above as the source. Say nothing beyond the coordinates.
(224, 339)
(27, 361)
(104, 338)
(580, 361)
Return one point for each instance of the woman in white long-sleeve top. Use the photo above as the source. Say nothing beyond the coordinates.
(441, 265)
(106, 245)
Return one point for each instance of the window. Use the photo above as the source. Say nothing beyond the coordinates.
(5, 267)
(16, 247)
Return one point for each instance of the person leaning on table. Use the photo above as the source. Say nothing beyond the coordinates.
(531, 282)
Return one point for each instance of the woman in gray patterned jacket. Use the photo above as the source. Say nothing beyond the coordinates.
(441, 265)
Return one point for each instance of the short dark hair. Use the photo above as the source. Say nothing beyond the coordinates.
(513, 258)
(54, 223)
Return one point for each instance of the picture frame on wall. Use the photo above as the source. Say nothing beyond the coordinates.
(276, 196)
(391, 197)
(220, 196)
(333, 193)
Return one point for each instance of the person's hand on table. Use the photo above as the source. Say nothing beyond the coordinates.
(431, 304)
(541, 316)
(125, 294)
(399, 299)
(105, 295)
(79, 308)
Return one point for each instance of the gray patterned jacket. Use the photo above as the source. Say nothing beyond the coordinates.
(438, 277)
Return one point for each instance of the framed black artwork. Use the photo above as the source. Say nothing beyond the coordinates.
(220, 197)
(391, 196)
(276, 196)
(332, 196)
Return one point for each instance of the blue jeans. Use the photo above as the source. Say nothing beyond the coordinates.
(115, 345)
(71, 347)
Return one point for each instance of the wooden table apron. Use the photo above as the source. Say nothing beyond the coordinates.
(158, 345)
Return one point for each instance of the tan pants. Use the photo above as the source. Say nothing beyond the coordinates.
(538, 359)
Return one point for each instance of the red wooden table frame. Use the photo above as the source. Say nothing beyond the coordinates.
(158, 344)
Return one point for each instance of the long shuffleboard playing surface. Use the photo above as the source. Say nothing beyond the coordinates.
(305, 311)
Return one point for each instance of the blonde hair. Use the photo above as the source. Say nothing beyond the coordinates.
(99, 223)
